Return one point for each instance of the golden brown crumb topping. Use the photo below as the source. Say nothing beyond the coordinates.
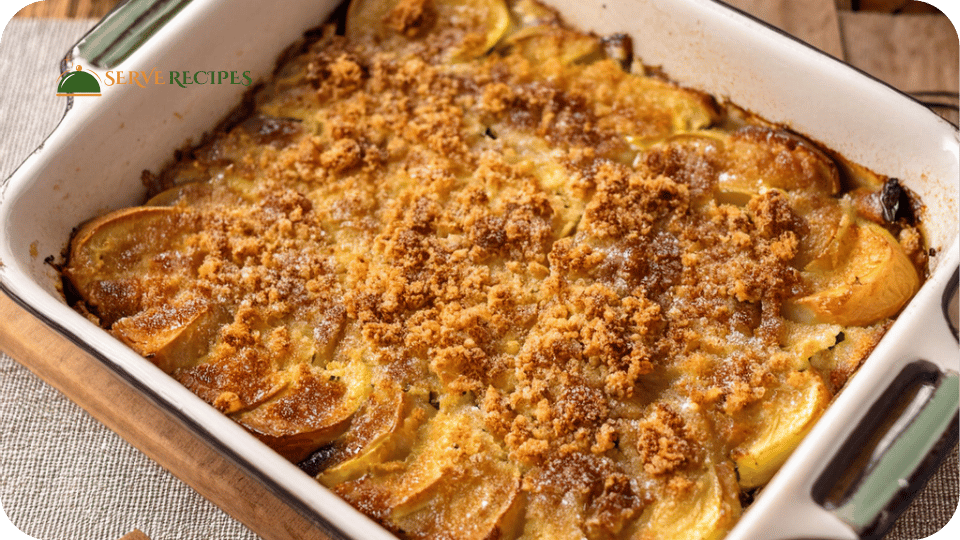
(485, 280)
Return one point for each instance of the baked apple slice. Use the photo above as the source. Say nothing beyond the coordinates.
(174, 336)
(314, 409)
(477, 500)
(873, 281)
(646, 108)
(554, 179)
(226, 189)
(482, 22)
(693, 158)
(805, 341)
(384, 430)
(784, 419)
(556, 182)
(457, 478)
(704, 508)
(551, 45)
(762, 156)
(829, 222)
(839, 362)
(757, 158)
(115, 258)
(450, 438)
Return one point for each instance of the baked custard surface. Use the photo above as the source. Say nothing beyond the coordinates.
(487, 276)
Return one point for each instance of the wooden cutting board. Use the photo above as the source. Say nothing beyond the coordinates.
(85, 381)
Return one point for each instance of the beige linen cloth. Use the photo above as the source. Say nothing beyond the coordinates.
(63, 475)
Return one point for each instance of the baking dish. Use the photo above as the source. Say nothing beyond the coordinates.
(92, 162)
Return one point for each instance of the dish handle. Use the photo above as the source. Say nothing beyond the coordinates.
(896, 445)
(891, 447)
(906, 434)
(895, 449)
(119, 34)
(124, 29)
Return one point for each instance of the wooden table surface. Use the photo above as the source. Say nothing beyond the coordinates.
(906, 43)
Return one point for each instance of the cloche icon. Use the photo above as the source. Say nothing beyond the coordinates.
(78, 83)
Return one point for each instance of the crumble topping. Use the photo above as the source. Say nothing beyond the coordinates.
(528, 279)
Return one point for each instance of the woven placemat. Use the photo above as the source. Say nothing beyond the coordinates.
(63, 475)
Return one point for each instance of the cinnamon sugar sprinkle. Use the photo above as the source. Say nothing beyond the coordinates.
(507, 277)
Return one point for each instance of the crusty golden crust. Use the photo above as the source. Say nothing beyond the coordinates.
(531, 262)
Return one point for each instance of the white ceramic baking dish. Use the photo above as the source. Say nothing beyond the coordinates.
(852, 474)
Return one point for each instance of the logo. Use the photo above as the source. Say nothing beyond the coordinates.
(86, 82)
(78, 83)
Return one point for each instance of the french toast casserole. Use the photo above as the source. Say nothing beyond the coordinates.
(487, 276)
